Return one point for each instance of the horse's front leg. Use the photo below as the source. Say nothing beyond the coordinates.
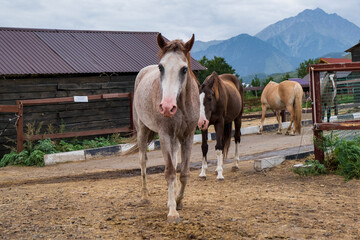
(186, 146)
(219, 148)
(204, 148)
(169, 147)
(263, 113)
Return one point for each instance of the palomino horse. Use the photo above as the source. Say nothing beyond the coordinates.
(221, 103)
(328, 94)
(166, 101)
(278, 96)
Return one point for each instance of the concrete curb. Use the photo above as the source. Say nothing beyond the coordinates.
(88, 154)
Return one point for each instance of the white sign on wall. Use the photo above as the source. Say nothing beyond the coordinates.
(81, 99)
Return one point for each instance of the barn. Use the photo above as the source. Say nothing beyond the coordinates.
(50, 63)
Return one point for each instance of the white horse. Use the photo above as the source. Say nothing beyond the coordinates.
(328, 93)
(166, 101)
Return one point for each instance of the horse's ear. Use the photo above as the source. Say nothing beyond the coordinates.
(161, 41)
(189, 44)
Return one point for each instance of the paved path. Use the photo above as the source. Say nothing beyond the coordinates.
(252, 147)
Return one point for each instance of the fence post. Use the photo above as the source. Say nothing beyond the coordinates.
(316, 114)
(20, 127)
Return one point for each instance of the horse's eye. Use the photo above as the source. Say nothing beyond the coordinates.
(161, 68)
(184, 70)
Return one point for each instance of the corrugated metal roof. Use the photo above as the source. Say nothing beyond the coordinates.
(334, 60)
(50, 51)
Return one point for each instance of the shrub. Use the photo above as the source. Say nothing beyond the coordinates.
(348, 156)
(341, 157)
(8, 159)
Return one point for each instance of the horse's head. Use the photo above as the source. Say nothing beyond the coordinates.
(174, 70)
(209, 93)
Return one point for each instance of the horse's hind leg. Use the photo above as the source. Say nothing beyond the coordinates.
(263, 113)
(291, 130)
(279, 122)
(143, 134)
(237, 138)
(204, 148)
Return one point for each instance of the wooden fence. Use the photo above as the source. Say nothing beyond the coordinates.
(18, 109)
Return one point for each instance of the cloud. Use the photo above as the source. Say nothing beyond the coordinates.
(209, 20)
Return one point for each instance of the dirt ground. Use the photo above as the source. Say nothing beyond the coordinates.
(272, 204)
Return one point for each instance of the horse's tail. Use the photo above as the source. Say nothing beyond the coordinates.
(135, 148)
(227, 138)
(298, 107)
(241, 90)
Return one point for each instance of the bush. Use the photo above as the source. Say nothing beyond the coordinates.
(348, 156)
(33, 155)
(46, 146)
(8, 159)
(341, 157)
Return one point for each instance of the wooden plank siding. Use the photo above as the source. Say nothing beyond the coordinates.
(94, 115)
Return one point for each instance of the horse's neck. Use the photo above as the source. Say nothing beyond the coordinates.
(186, 95)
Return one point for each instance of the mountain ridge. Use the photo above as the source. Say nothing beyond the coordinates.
(282, 46)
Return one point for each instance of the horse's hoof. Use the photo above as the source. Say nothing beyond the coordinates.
(234, 168)
(202, 177)
(279, 132)
(220, 179)
(286, 133)
(179, 206)
(173, 219)
(259, 133)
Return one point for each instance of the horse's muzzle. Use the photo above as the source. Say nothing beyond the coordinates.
(167, 110)
(203, 124)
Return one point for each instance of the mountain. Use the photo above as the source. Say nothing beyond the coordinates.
(248, 55)
(282, 46)
(201, 46)
(311, 34)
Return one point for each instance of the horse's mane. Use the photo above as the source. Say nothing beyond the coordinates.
(216, 84)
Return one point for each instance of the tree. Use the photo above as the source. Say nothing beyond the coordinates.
(286, 77)
(302, 69)
(255, 82)
(218, 64)
(266, 81)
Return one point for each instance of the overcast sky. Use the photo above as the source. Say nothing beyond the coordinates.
(208, 19)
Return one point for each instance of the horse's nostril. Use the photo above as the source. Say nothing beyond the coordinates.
(173, 109)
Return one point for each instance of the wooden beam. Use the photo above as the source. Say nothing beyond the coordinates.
(349, 125)
(9, 108)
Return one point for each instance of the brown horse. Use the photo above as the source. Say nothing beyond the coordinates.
(166, 101)
(221, 103)
(280, 96)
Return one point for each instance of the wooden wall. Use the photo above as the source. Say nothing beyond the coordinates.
(94, 115)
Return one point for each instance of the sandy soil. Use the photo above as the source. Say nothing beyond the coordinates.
(273, 204)
(276, 204)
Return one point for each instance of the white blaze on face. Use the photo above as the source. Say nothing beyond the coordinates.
(171, 84)
(203, 122)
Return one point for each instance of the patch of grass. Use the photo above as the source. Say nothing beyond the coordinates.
(342, 157)
(33, 154)
(311, 167)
